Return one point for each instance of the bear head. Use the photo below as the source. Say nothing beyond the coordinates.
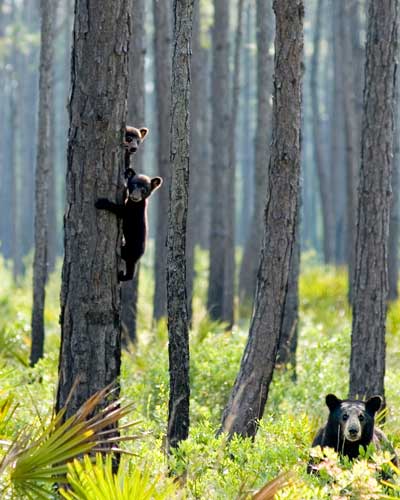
(138, 187)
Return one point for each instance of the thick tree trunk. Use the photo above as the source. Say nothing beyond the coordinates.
(367, 363)
(178, 324)
(251, 254)
(249, 395)
(90, 297)
(220, 161)
(324, 178)
(136, 118)
(230, 210)
(43, 168)
(162, 60)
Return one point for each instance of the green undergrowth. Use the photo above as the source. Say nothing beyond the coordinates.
(207, 466)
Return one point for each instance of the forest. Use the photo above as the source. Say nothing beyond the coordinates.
(199, 249)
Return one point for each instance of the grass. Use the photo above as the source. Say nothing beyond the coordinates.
(208, 466)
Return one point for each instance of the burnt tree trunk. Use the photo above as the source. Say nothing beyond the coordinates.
(178, 324)
(250, 392)
(90, 296)
(136, 118)
(162, 60)
(370, 292)
(251, 254)
(219, 168)
(230, 240)
(42, 175)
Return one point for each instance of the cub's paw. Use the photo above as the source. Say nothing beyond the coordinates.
(102, 203)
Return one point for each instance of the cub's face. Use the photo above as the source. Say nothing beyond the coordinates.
(353, 416)
(139, 187)
(133, 138)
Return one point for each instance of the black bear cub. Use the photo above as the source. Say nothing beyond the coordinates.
(133, 213)
(351, 424)
(133, 139)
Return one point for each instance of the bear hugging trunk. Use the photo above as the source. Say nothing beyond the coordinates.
(133, 213)
(351, 424)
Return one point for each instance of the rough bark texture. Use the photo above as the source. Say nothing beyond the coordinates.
(367, 364)
(43, 167)
(162, 60)
(178, 325)
(249, 395)
(230, 211)
(324, 178)
(394, 224)
(136, 118)
(90, 294)
(220, 161)
(251, 254)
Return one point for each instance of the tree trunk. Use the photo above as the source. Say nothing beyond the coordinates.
(220, 161)
(325, 187)
(249, 395)
(230, 241)
(43, 168)
(136, 118)
(178, 325)
(367, 363)
(394, 224)
(90, 296)
(162, 60)
(251, 254)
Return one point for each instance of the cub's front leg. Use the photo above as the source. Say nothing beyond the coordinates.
(105, 204)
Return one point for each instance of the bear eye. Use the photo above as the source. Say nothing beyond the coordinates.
(361, 418)
(345, 417)
(129, 139)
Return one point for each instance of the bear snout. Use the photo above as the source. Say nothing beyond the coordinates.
(352, 431)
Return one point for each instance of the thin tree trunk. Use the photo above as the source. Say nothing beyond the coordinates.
(249, 395)
(367, 363)
(251, 254)
(43, 168)
(136, 118)
(325, 187)
(394, 224)
(220, 161)
(230, 241)
(162, 57)
(178, 324)
(90, 297)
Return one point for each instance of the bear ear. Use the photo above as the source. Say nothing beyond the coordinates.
(129, 172)
(332, 402)
(156, 182)
(373, 404)
(143, 132)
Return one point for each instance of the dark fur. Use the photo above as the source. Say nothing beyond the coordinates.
(133, 139)
(351, 424)
(133, 213)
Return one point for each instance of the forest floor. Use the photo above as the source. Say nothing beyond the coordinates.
(208, 466)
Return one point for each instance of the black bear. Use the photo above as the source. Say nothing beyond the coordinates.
(133, 213)
(351, 424)
(133, 138)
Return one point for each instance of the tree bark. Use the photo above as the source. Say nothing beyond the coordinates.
(367, 363)
(162, 59)
(178, 324)
(251, 254)
(43, 168)
(90, 296)
(219, 141)
(325, 186)
(136, 118)
(249, 395)
(230, 240)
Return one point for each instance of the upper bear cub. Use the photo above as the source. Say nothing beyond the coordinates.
(133, 213)
(351, 424)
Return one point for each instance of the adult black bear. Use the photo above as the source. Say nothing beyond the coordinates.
(351, 424)
(133, 213)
